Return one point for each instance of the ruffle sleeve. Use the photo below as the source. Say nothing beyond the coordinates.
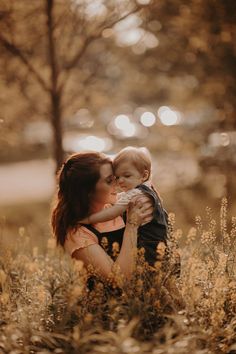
(124, 198)
(81, 238)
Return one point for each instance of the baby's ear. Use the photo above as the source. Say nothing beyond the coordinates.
(145, 175)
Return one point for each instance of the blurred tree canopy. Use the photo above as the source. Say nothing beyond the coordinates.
(60, 56)
(44, 66)
(197, 52)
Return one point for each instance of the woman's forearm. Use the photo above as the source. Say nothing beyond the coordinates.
(105, 214)
(127, 257)
(123, 267)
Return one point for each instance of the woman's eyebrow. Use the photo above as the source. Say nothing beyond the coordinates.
(109, 176)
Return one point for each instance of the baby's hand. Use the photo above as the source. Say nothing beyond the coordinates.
(145, 204)
(142, 208)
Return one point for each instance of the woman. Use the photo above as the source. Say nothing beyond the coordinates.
(86, 185)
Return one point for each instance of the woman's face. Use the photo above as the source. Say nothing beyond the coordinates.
(105, 191)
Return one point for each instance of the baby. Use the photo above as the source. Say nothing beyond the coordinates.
(132, 169)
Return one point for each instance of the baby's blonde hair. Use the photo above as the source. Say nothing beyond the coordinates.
(139, 157)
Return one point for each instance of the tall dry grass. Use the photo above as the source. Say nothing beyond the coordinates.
(45, 306)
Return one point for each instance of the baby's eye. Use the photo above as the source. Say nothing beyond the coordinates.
(127, 176)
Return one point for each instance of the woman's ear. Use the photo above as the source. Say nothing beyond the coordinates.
(146, 175)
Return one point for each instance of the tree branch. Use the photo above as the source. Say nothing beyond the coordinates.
(94, 36)
(136, 9)
(87, 81)
(15, 51)
(71, 64)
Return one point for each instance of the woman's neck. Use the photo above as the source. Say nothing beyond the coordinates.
(96, 207)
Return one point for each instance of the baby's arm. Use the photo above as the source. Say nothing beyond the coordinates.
(105, 214)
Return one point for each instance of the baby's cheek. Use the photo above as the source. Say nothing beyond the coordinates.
(112, 198)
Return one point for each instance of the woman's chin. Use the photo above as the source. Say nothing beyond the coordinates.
(113, 197)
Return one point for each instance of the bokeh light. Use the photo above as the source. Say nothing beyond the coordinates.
(143, 2)
(150, 40)
(93, 143)
(225, 140)
(81, 119)
(148, 119)
(76, 142)
(125, 127)
(130, 130)
(127, 31)
(122, 128)
(39, 132)
(219, 139)
(168, 116)
(129, 37)
(122, 121)
(95, 8)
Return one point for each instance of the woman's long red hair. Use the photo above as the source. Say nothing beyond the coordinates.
(77, 181)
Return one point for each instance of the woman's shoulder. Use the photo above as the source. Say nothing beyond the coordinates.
(81, 230)
(81, 237)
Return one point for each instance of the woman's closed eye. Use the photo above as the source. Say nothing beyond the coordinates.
(110, 179)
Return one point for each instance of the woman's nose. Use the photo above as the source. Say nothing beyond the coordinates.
(114, 182)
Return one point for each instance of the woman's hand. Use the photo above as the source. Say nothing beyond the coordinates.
(140, 210)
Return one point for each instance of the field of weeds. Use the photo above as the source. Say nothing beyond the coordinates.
(45, 306)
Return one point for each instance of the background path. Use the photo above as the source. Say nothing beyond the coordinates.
(26, 181)
(29, 181)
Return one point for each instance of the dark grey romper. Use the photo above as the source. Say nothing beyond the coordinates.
(154, 232)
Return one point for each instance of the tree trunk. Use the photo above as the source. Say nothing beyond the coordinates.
(58, 152)
(56, 111)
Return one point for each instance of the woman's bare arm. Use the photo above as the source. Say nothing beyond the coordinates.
(105, 214)
(95, 255)
(103, 264)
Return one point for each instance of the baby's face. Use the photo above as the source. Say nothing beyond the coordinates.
(127, 176)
